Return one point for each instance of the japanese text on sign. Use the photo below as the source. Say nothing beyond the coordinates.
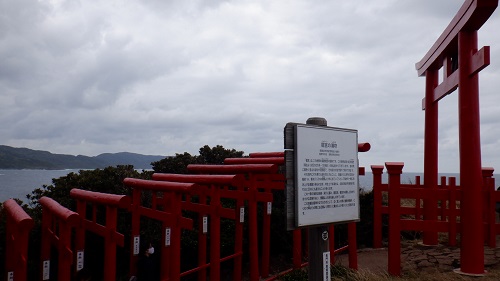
(327, 175)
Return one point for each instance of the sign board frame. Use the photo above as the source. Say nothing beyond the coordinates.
(326, 178)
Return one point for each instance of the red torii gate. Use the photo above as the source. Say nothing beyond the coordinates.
(456, 52)
(253, 171)
(279, 158)
(172, 222)
(58, 223)
(112, 238)
(19, 225)
(216, 187)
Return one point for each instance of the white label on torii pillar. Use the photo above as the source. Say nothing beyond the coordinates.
(326, 266)
(168, 234)
(10, 276)
(46, 270)
(242, 214)
(269, 208)
(205, 225)
(79, 260)
(137, 244)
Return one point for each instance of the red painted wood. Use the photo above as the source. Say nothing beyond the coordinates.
(112, 238)
(471, 16)
(471, 251)
(53, 214)
(19, 225)
(377, 205)
(266, 160)
(430, 154)
(394, 169)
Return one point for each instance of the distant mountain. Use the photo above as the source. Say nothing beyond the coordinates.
(24, 158)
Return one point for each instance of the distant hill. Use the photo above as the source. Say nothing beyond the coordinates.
(25, 158)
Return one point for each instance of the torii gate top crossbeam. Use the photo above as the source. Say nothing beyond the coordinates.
(471, 16)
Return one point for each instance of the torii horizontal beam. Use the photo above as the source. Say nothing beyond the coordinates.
(471, 16)
(480, 60)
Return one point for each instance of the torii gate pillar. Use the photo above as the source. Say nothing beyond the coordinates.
(456, 51)
(472, 245)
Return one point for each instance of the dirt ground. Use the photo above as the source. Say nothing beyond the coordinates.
(417, 257)
(374, 260)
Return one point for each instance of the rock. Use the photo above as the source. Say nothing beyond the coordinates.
(444, 260)
(414, 253)
(446, 251)
(444, 267)
(418, 258)
(490, 260)
(432, 259)
(424, 264)
(435, 253)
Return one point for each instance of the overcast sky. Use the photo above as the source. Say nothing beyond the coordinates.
(164, 77)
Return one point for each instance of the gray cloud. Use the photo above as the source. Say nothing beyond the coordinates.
(161, 77)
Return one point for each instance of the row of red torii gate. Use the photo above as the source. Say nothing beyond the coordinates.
(247, 181)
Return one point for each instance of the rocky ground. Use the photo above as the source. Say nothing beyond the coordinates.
(419, 258)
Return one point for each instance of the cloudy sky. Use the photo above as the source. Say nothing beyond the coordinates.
(164, 77)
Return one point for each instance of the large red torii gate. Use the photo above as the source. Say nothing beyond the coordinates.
(456, 52)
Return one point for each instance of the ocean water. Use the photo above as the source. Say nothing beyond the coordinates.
(366, 181)
(19, 183)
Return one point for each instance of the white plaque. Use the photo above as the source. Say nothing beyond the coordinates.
(10, 276)
(269, 208)
(327, 275)
(242, 214)
(137, 244)
(46, 270)
(79, 260)
(205, 225)
(168, 233)
(326, 178)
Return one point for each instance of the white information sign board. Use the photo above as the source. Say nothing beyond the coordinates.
(326, 177)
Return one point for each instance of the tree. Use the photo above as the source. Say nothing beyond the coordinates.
(178, 163)
(107, 180)
(217, 154)
(175, 165)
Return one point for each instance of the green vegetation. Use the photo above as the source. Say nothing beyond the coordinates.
(179, 162)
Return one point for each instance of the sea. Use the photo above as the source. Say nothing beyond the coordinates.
(19, 183)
